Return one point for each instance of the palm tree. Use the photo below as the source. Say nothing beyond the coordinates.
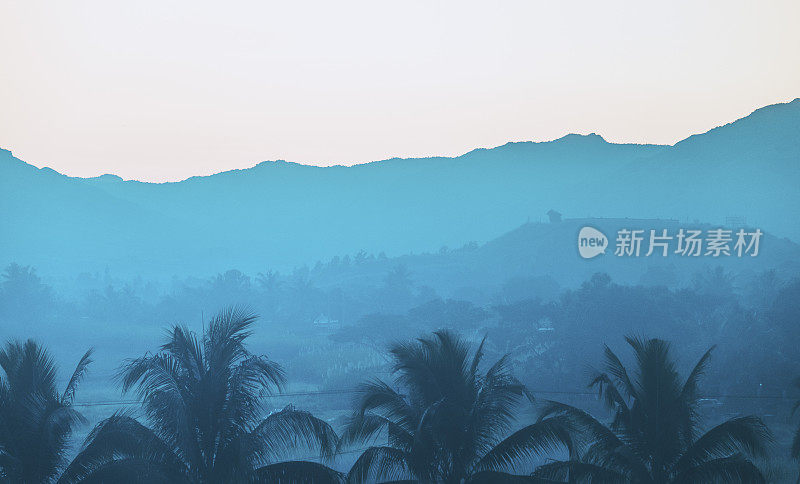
(446, 421)
(36, 421)
(655, 436)
(203, 404)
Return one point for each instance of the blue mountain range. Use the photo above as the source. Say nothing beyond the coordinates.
(279, 214)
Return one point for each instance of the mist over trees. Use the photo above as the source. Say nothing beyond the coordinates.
(544, 341)
(407, 319)
(367, 368)
(449, 416)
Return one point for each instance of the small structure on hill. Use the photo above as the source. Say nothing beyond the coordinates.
(555, 216)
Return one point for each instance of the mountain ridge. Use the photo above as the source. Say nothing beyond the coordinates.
(283, 214)
(478, 149)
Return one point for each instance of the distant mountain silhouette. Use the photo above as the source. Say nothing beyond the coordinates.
(540, 254)
(280, 214)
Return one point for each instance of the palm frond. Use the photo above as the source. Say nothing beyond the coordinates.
(261, 374)
(413, 370)
(577, 471)
(295, 429)
(245, 385)
(606, 449)
(615, 367)
(586, 428)
(128, 470)
(496, 477)
(80, 371)
(690, 386)
(36, 422)
(612, 397)
(224, 340)
(184, 345)
(451, 415)
(122, 437)
(733, 469)
(298, 472)
(380, 463)
(545, 436)
(368, 427)
(41, 432)
(493, 408)
(379, 398)
(28, 367)
(742, 434)
(152, 374)
(476, 359)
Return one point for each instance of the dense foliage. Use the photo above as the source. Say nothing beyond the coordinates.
(204, 416)
(655, 434)
(458, 406)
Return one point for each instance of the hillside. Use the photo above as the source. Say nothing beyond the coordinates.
(539, 257)
(280, 214)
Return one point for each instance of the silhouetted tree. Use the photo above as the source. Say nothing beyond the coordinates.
(36, 421)
(203, 402)
(446, 420)
(655, 436)
(24, 298)
(396, 295)
(448, 314)
(269, 281)
(714, 283)
(398, 278)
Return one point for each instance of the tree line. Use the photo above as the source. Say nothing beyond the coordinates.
(446, 415)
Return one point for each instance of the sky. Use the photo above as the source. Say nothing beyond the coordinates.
(160, 90)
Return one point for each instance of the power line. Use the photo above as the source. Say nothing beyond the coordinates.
(354, 392)
(734, 396)
(338, 453)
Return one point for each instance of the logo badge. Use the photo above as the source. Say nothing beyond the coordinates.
(591, 242)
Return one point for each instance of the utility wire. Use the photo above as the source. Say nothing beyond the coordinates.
(354, 392)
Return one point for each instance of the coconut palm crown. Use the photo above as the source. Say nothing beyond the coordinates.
(445, 420)
(204, 417)
(36, 421)
(654, 436)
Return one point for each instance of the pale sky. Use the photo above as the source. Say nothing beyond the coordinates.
(161, 90)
